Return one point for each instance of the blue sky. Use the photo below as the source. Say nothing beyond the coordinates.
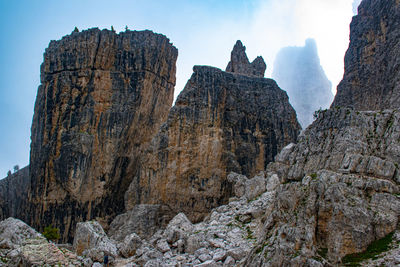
(203, 31)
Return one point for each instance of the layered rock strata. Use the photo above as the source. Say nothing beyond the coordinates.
(221, 122)
(372, 62)
(102, 97)
(339, 193)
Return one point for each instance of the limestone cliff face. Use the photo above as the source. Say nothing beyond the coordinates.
(14, 194)
(221, 122)
(339, 191)
(102, 96)
(372, 72)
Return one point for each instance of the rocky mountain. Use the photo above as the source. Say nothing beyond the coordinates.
(298, 71)
(240, 63)
(332, 198)
(372, 74)
(221, 122)
(14, 193)
(102, 97)
(339, 192)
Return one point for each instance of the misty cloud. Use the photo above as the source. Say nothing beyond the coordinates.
(298, 71)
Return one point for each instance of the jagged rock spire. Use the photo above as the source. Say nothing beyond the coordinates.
(240, 63)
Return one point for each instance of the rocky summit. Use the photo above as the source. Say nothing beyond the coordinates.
(221, 122)
(240, 63)
(220, 179)
(102, 97)
(372, 73)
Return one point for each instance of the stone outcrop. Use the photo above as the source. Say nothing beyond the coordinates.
(372, 73)
(143, 220)
(14, 232)
(21, 245)
(298, 71)
(102, 97)
(14, 194)
(224, 238)
(340, 189)
(221, 122)
(91, 241)
(240, 63)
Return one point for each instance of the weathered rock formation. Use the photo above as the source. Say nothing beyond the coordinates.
(143, 220)
(297, 70)
(340, 189)
(221, 122)
(372, 63)
(14, 194)
(102, 97)
(20, 245)
(240, 63)
(91, 241)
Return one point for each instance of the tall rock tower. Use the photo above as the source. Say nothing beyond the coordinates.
(372, 63)
(299, 72)
(221, 122)
(102, 97)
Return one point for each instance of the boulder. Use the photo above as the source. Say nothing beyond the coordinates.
(143, 220)
(91, 241)
(130, 244)
(14, 233)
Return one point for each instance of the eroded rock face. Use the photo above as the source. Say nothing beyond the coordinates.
(372, 73)
(340, 189)
(102, 97)
(240, 63)
(14, 194)
(221, 122)
(143, 219)
(91, 241)
(14, 232)
(21, 245)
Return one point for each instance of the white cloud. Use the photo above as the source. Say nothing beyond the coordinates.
(273, 25)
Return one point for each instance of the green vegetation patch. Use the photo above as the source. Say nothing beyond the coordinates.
(373, 250)
(322, 252)
(3, 259)
(51, 233)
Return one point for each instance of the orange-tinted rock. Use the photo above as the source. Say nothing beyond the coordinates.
(221, 122)
(102, 97)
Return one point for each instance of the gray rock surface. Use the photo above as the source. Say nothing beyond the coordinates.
(143, 220)
(91, 241)
(130, 244)
(21, 245)
(340, 189)
(224, 238)
(240, 63)
(14, 232)
(14, 194)
(372, 74)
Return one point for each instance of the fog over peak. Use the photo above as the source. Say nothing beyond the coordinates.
(298, 71)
